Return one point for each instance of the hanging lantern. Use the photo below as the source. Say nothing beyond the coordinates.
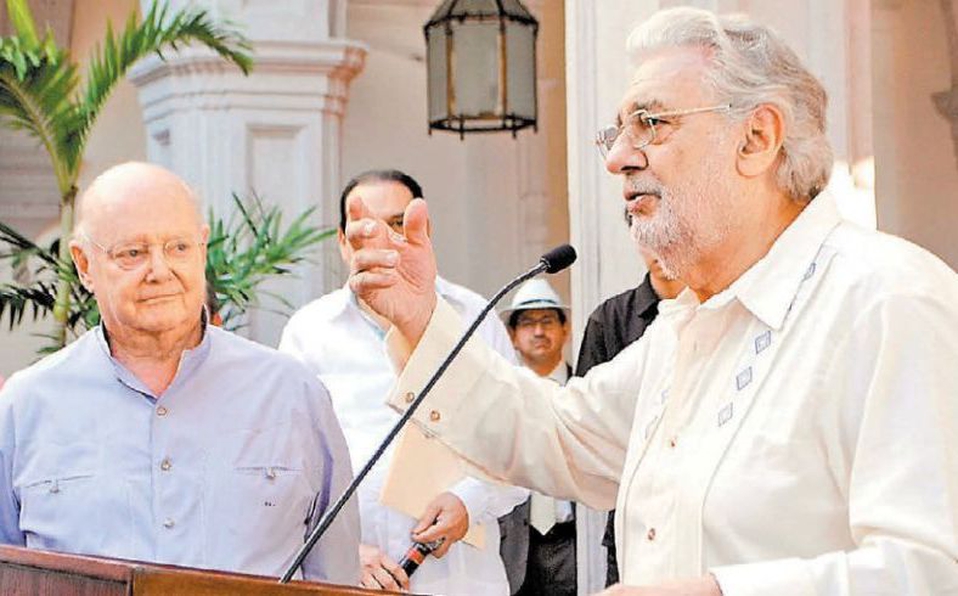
(481, 66)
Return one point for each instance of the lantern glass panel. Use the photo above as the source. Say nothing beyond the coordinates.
(438, 98)
(521, 79)
(476, 68)
(471, 7)
(514, 7)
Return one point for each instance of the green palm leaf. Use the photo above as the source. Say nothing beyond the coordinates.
(35, 87)
(40, 94)
(22, 22)
(157, 32)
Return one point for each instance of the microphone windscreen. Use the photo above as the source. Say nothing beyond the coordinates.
(558, 258)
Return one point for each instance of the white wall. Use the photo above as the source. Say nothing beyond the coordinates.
(495, 202)
(915, 158)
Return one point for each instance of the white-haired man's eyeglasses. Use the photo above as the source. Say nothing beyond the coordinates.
(644, 128)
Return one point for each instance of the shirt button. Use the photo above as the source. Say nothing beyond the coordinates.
(166, 464)
(651, 534)
(168, 523)
(161, 411)
(434, 416)
(410, 396)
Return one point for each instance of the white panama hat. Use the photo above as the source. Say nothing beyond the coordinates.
(534, 294)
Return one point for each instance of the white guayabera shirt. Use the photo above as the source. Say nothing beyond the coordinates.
(344, 347)
(796, 434)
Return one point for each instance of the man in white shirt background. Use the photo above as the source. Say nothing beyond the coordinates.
(341, 340)
(539, 328)
(788, 424)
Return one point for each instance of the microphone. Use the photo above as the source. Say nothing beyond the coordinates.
(416, 555)
(553, 261)
(558, 258)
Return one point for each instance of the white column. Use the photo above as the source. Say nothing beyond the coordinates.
(275, 133)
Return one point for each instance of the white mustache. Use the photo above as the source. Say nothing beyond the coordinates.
(643, 187)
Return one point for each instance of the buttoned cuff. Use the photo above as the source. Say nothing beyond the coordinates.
(782, 577)
(417, 366)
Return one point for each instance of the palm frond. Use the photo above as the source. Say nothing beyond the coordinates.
(36, 85)
(24, 248)
(157, 32)
(251, 247)
(22, 21)
(15, 301)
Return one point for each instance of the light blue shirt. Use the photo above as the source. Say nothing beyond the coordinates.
(228, 469)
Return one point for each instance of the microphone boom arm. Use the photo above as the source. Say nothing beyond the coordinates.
(333, 511)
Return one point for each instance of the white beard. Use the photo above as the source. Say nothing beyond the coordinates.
(690, 218)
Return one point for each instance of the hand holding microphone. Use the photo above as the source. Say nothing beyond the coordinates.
(444, 523)
(445, 519)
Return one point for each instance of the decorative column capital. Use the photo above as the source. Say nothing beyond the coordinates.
(297, 75)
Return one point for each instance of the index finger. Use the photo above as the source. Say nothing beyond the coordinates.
(437, 530)
(396, 571)
(357, 209)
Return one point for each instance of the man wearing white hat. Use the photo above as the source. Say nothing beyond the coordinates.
(538, 324)
(539, 328)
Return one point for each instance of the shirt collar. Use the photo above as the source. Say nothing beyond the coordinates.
(646, 298)
(560, 374)
(768, 287)
(190, 359)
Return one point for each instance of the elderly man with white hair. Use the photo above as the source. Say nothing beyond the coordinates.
(156, 436)
(788, 424)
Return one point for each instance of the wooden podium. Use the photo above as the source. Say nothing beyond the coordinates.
(27, 572)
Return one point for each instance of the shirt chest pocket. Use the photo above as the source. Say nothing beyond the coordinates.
(261, 495)
(67, 504)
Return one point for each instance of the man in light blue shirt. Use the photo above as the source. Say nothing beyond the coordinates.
(160, 438)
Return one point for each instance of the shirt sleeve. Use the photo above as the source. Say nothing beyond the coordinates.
(892, 388)
(336, 556)
(289, 341)
(518, 428)
(486, 501)
(9, 503)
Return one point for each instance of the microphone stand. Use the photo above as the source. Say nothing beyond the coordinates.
(333, 511)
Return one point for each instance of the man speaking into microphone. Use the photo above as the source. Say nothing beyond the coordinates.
(788, 424)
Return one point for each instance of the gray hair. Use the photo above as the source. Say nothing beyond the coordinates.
(751, 65)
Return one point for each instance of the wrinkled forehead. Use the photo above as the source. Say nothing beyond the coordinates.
(666, 79)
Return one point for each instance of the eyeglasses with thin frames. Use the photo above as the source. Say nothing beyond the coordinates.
(133, 255)
(645, 128)
(549, 321)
